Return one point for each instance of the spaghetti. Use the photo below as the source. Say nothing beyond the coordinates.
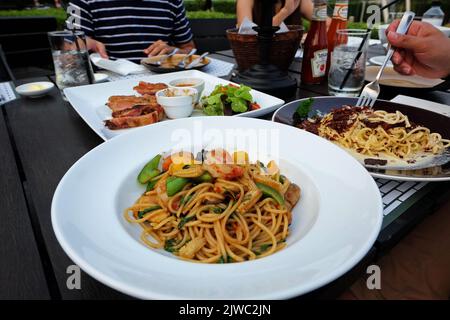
(214, 211)
(377, 133)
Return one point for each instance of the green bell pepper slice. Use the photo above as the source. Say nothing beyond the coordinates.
(150, 170)
(270, 192)
(175, 185)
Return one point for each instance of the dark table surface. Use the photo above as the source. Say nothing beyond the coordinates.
(40, 139)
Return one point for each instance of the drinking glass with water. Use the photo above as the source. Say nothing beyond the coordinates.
(71, 59)
(348, 63)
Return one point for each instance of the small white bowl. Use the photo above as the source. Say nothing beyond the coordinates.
(35, 89)
(100, 77)
(179, 104)
(196, 83)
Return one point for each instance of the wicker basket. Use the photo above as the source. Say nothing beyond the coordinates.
(284, 47)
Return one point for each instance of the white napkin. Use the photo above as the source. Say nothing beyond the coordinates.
(247, 27)
(423, 104)
(6, 93)
(299, 53)
(121, 66)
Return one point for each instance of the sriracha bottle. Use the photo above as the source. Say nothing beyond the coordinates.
(338, 22)
(314, 65)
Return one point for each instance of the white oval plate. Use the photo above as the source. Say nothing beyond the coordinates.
(379, 60)
(335, 223)
(35, 89)
(392, 78)
(101, 77)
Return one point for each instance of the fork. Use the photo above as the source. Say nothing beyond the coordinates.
(371, 91)
(182, 63)
(167, 56)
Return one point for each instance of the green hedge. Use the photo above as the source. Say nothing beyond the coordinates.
(60, 14)
(225, 6)
(210, 15)
(194, 5)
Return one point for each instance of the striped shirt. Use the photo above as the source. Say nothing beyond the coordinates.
(127, 27)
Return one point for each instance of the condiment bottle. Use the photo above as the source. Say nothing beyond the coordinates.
(314, 65)
(338, 22)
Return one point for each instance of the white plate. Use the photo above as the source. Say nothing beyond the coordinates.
(35, 89)
(335, 223)
(379, 60)
(392, 78)
(100, 77)
(89, 101)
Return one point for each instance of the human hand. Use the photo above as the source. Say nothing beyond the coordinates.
(97, 46)
(158, 48)
(422, 51)
(289, 7)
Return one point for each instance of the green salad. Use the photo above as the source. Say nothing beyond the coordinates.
(228, 100)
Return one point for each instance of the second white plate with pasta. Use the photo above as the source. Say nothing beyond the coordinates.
(155, 214)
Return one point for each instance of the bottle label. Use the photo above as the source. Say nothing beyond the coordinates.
(319, 63)
(341, 10)
(320, 13)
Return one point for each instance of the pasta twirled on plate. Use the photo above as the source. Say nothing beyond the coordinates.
(217, 209)
(377, 134)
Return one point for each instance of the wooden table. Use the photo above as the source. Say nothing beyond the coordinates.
(39, 140)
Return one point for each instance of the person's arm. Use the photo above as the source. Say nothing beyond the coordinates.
(424, 50)
(161, 47)
(306, 9)
(244, 8)
(181, 36)
(80, 18)
(289, 7)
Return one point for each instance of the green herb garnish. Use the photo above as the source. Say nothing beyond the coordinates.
(304, 108)
(227, 260)
(169, 245)
(262, 248)
(184, 220)
(147, 210)
(217, 210)
(185, 200)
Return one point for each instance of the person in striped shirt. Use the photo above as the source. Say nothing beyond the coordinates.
(132, 29)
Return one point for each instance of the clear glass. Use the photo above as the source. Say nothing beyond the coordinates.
(71, 59)
(348, 61)
(434, 15)
(395, 16)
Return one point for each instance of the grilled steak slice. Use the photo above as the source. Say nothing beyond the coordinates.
(134, 111)
(118, 103)
(146, 88)
(133, 121)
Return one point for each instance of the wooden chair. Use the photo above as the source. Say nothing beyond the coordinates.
(210, 34)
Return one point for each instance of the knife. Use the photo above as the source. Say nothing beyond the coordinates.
(196, 61)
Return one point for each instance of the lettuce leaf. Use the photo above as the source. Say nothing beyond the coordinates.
(238, 105)
(243, 92)
(227, 96)
(213, 105)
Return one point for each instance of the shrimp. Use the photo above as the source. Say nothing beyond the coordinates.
(224, 171)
